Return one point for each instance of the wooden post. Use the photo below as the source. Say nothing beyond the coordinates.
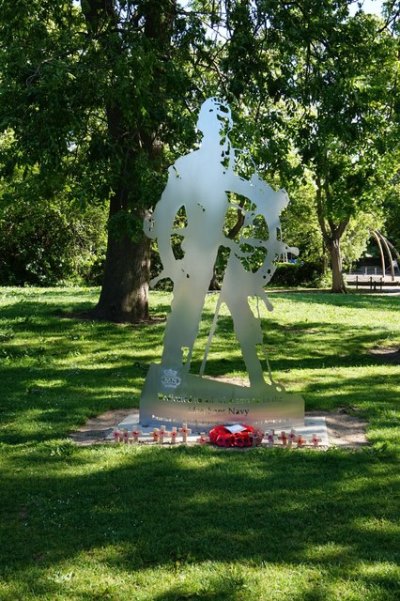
(161, 434)
(291, 438)
(301, 441)
(185, 431)
(204, 439)
(135, 435)
(315, 440)
(283, 438)
(173, 435)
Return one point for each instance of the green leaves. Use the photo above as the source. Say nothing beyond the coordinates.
(98, 98)
(48, 242)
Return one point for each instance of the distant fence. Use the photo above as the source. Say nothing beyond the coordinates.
(375, 283)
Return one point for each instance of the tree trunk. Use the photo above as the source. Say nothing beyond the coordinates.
(338, 283)
(214, 284)
(124, 292)
(331, 235)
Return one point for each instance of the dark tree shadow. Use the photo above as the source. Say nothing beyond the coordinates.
(161, 507)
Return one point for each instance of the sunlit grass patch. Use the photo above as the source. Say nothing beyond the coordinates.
(151, 524)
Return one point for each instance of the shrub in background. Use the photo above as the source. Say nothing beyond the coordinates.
(51, 242)
(298, 274)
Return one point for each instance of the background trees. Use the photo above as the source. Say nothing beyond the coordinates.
(93, 97)
(53, 242)
(98, 98)
(348, 130)
(331, 81)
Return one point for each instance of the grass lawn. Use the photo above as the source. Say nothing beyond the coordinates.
(148, 524)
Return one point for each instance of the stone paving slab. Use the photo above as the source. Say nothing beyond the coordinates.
(313, 426)
(344, 430)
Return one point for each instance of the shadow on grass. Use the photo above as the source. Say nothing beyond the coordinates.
(63, 399)
(351, 300)
(58, 372)
(55, 373)
(326, 516)
(159, 508)
(303, 345)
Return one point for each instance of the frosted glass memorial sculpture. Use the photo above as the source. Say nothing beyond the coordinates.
(207, 197)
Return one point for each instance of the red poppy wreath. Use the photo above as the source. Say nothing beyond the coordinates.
(237, 435)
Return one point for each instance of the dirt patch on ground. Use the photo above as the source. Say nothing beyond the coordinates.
(97, 429)
(344, 430)
(388, 354)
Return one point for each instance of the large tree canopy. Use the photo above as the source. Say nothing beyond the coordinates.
(98, 97)
(323, 86)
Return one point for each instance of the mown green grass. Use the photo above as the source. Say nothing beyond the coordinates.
(114, 522)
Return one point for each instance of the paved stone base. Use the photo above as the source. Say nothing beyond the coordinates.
(313, 426)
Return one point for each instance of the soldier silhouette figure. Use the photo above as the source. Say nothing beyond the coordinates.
(199, 185)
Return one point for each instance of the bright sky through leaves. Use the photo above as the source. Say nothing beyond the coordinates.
(368, 6)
